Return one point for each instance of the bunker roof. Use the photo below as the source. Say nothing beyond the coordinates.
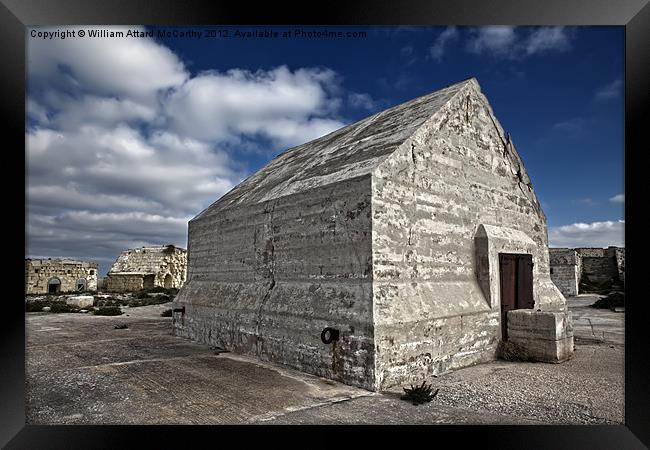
(349, 152)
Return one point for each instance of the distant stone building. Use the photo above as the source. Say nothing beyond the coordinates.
(398, 247)
(147, 267)
(565, 271)
(570, 267)
(51, 276)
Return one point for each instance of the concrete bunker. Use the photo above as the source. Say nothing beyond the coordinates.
(389, 232)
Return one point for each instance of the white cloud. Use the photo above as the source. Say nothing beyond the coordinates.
(37, 112)
(610, 91)
(498, 40)
(287, 107)
(135, 67)
(620, 198)
(546, 39)
(75, 113)
(588, 201)
(509, 42)
(363, 101)
(573, 126)
(437, 50)
(124, 165)
(595, 234)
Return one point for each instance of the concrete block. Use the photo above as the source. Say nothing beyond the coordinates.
(80, 301)
(546, 325)
(546, 336)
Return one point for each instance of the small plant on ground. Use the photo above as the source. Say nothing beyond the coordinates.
(108, 311)
(419, 394)
(166, 313)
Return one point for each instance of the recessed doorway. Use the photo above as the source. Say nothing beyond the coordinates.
(516, 285)
(53, 286)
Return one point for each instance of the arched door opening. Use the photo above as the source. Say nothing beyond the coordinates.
(53, 286)
(148, 281)
(81, 285)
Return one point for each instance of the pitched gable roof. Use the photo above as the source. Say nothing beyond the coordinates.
(346, 153)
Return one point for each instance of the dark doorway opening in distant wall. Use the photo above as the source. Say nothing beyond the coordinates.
(54, 286)
(516, 285)
(81, 284)
(147, 282)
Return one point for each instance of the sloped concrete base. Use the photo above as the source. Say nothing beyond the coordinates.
(545, 336)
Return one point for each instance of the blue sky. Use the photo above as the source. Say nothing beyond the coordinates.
(128, 138)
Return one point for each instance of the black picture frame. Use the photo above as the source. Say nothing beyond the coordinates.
(634, 15)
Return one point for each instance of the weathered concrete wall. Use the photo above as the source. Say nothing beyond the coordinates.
(38, 272)
(123, 282)
(389, 230)
(564, 270)
(599, 265)
(266, 279)
(430, 197)
(599, 270)
(592, 252)
(168, 265)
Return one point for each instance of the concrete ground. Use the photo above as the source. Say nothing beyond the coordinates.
(596, 325)
(82, 370)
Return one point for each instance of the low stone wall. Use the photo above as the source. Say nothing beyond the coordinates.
(598, 265)
(599, 269)
(619, 255)
(564, 270)
(566, 279)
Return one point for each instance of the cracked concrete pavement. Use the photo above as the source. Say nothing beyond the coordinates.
(80, 369)
(596, 325)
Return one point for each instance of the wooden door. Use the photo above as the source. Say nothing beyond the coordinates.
(525, 282)
(508, 266)
(516, 286)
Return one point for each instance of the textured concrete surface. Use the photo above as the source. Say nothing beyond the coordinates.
(545, 336)
(81, 370)
(596, 325)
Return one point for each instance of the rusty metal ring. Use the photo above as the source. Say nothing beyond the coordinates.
(329, 334)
